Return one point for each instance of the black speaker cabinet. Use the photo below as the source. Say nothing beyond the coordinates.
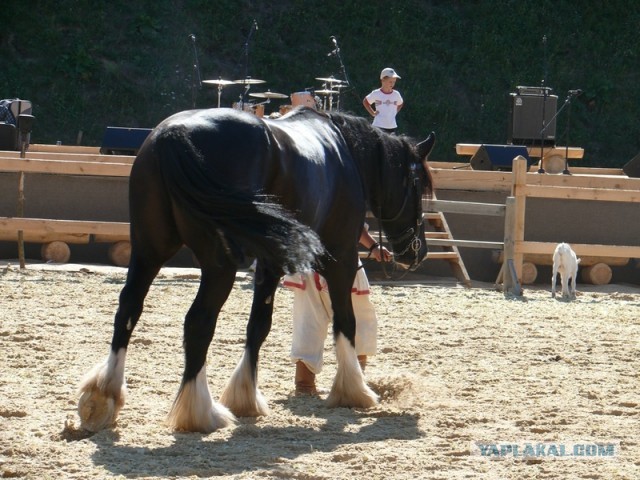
(632, 167)
(525, 119)
(123, 141)
(8, 137)
(498, 157)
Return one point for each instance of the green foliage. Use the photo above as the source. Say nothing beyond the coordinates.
(88, 64)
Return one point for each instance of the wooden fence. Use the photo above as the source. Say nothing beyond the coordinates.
(55, 234)
(586, 184)
(519, 184)
(603, 188)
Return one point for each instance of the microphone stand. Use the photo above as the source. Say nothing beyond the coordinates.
(567, 102)
(544, 103)
(196, 68)
(343, 69)
(254, 27)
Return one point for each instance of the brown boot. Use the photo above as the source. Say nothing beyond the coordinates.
(305, 380)
(362, 360)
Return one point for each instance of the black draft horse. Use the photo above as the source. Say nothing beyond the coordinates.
(292, 192)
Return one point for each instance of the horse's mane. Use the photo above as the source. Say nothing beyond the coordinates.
(363, 139)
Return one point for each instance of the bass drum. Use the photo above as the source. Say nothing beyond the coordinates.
(257, 110)
(303, 99)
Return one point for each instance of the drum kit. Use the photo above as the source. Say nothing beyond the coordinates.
(330, 91)
(311, 98)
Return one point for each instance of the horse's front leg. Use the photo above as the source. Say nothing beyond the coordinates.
(102, 391)
(193, 409)
(349, 387)
(241, 394)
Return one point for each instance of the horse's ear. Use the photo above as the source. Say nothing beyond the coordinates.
(424, 148)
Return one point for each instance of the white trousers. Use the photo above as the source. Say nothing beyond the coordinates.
(312, 315)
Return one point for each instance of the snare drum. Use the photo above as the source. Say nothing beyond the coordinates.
(247, 107)
(303, 99)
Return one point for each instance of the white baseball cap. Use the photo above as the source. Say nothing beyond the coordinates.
(388, 72)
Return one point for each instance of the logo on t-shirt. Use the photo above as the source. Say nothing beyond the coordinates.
(387, 102)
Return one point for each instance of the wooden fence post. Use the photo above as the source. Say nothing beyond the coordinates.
(510, 280)
(518, 191)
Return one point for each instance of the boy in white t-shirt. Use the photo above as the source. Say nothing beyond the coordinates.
(387, 101)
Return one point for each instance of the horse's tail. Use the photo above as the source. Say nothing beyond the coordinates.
(244, 221)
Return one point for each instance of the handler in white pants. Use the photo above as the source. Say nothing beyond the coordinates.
(312, 314)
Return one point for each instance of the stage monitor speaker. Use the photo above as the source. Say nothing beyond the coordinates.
(123, 141)
(632, 167)
(498, 157)
(525, 119)
(8, 137)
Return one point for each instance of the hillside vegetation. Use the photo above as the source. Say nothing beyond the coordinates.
(87, 64)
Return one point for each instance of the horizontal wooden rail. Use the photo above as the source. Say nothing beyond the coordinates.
(576, 193)
(547, 259)
(115, 230)
(63, 167)
(466, 208)
(44, 147)
(586, 249)
(430, 255)
(499, 181)
(443, 242)
(73, 157)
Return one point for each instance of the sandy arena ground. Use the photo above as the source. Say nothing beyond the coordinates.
(456, 368)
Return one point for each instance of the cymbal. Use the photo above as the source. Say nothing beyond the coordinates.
(330, 80)
(248, 81)
(219, 82)
(326, 92)
(268, 94)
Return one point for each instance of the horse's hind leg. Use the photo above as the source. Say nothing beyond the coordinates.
(154, 240)
(349, 387)
(102, 391)
(241, 394)
(193, 409)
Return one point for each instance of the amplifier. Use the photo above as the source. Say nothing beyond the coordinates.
(533, 90)
(123, 140)
(525, 119)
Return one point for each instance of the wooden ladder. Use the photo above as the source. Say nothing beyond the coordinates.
(439, 236)
(450, 253)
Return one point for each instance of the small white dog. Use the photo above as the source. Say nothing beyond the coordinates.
(565, 262)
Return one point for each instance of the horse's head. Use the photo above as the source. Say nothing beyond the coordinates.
(400, 211)
(395, 176)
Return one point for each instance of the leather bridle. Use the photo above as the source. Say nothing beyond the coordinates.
(411, 234)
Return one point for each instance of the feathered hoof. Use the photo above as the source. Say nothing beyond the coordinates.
(245, 402)
(241, 395)
(98, 410)
(362, 397)
(183, 419)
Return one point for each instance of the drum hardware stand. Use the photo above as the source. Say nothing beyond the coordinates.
(324, 101)
(220, 84)
(243, 96)
(220, 87)
(196, 69)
